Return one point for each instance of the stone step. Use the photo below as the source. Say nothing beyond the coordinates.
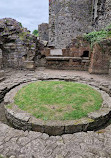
(85, 59)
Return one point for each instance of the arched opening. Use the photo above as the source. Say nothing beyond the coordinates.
(85, 53)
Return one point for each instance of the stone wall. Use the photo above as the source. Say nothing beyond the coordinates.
(70, 18)
(100, 58)
(2, 74)
(75, 56)
(0, 59)
(52, 23)
(67, 20)
(101, 13)
(43, 30)
(18, 46)
(79, 55)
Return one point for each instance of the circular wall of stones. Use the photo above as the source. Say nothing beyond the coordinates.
(24, 121)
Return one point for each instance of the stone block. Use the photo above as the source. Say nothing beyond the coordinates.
(30, 65)
(54, 127)
(37, 125)
(54, 52)
(43, 30)
(45, 52)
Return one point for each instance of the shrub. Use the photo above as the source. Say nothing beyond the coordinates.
(97, 36)
(20, 24)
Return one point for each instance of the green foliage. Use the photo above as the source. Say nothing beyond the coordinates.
(20, 24)
(23, 35)
(58, 100)
(97, 36)
(35, 32)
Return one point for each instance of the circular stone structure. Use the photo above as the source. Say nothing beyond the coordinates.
(58, 100)
(25, 121)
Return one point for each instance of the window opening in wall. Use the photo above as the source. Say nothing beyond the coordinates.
(85, 54)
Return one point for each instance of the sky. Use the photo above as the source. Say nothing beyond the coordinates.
(30, 13)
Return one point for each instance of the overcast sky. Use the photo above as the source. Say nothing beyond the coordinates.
(30, 13)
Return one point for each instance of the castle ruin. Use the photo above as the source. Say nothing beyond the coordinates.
(71, 18)
(68, 20)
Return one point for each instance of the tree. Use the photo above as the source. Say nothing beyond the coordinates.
(35, 32)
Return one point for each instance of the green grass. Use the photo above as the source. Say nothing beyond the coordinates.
(97, 36)
(58, 100)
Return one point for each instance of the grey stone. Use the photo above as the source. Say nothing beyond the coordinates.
(69, 19)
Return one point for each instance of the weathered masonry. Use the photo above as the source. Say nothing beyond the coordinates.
(18, 47)
(43, 30)
(71, 18)
(79, 56)
(73, 57)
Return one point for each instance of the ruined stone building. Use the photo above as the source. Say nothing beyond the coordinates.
(18, 47)
(71, 18)
(68, 21)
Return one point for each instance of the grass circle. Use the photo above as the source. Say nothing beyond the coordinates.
(58, 100)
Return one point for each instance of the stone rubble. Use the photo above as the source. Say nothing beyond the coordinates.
(18, 47)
